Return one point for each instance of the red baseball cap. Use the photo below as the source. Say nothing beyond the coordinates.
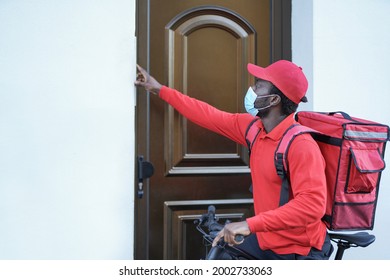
(286, 76)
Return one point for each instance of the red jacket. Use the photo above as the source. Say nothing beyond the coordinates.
(295, 227)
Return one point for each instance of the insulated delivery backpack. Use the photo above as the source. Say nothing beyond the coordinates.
(353, 150)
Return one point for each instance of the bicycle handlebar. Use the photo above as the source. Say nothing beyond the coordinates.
(211, 221)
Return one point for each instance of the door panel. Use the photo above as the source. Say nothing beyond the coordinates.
(199, 44)
(200, 48)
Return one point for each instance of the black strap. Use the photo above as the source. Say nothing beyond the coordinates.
(345, 115)
(249, 142)
(284, 192)
(285, 188)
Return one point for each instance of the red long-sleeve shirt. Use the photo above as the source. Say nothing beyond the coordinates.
(295, 227)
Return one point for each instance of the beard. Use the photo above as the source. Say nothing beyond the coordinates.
(263, 113)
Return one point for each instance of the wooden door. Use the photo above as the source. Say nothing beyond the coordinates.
(200, 48)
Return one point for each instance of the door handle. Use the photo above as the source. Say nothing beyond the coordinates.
(145, 171)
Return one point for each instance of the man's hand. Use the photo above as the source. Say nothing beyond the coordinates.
(230, 231)
(147, 81)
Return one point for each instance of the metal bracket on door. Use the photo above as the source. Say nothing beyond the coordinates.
(145, 171)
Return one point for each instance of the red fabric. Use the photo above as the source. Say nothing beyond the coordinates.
(296, 226)
(285, 75)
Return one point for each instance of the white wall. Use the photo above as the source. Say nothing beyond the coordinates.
(66, 129)
(302, 43)
(348, 47)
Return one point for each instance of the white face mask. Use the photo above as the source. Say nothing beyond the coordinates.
(249, 102)
(250, 99)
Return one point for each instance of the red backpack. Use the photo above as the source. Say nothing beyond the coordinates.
(353, 150)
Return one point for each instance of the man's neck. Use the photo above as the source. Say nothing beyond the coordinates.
(271, 121)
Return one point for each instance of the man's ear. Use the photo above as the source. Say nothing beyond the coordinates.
(275, 100)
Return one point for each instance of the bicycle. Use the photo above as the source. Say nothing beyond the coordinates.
(209, 227)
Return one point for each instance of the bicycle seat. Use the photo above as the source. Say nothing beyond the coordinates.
(361, 239)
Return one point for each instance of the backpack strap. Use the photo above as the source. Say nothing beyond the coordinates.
(251, 134)
(280, 158)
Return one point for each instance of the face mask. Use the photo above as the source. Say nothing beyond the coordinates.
(250, 99)
(249, 102)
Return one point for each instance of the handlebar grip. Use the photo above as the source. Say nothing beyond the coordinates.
(239, 238)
